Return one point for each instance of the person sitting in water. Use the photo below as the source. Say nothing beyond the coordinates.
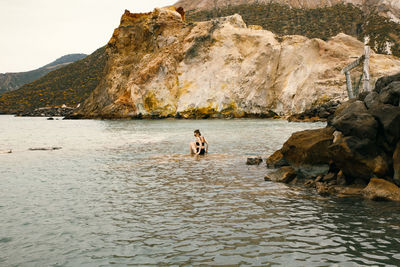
(199, 147)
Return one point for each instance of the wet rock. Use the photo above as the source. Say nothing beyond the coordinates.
(308, 147)
(324, 189)
(45, 148)
(284, 174)
(396, 164)
(307, 151)
(276, 160)
(360, 158)
(329, 177)
(380, 189)
(254, 161)
(310, 183)
(341, 178)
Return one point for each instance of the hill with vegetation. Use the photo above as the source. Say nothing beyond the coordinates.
(69, 85)
(13, 81)
(383, 35)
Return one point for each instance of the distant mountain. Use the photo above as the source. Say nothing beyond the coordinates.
(12, 81)
(70, 84)
(387, 8)
(381, 33)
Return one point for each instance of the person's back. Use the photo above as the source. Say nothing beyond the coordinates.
(199, 147)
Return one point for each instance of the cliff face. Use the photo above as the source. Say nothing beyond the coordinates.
(387, 8)
(160, 66)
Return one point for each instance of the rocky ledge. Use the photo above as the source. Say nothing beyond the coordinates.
(357, 153)
(48, 112)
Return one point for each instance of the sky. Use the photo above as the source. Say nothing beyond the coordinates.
(34, 33)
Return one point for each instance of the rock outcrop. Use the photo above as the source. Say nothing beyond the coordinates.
(160, 66)
(361, 141)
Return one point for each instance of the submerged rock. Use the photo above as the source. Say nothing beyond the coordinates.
(380, 189)
(284, 174)
(254, 161)
(45, 148)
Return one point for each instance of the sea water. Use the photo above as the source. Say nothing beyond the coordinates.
(129, 193)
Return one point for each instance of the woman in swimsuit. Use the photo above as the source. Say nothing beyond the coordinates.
(199, 147)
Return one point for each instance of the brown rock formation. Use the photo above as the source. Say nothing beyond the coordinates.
(159, 66)
(380, 189)
(360, 142)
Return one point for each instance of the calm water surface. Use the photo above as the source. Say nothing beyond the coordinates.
(128, 193)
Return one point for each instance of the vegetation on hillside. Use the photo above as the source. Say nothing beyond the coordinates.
(320, 23)
(12, 81)
(69, 85)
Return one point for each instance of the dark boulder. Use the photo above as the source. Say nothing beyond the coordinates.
(254, 161)
(276, 160)
(359, 158)
(380, 189)
(389, 119)
(391, 94)
(354, 120)
(385, 81)
(396, 164)
(371, 100)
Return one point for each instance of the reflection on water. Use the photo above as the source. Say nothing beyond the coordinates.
(129, 193)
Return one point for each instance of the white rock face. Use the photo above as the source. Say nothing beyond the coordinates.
(159, 66)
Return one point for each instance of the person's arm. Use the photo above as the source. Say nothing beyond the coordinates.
(205, 141)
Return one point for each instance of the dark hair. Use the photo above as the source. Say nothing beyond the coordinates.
(197, 131)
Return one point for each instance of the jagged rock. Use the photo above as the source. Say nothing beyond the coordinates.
(324, 189)
(310, 183)
(360, 158)
(371, 99)
(329, 177)
(360, 141)
(159, 66)
(341, 178)
(254, 161)
(307, 151)
(276, 160)
(389, 118)
(385, 81)
(391, 94)
(353, 119)
(380, 189)
(284, 174)
(396, 164)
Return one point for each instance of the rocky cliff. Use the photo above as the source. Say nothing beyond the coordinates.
(160, 66)
(387, 8)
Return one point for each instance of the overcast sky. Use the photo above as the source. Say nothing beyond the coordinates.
(36, 32)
